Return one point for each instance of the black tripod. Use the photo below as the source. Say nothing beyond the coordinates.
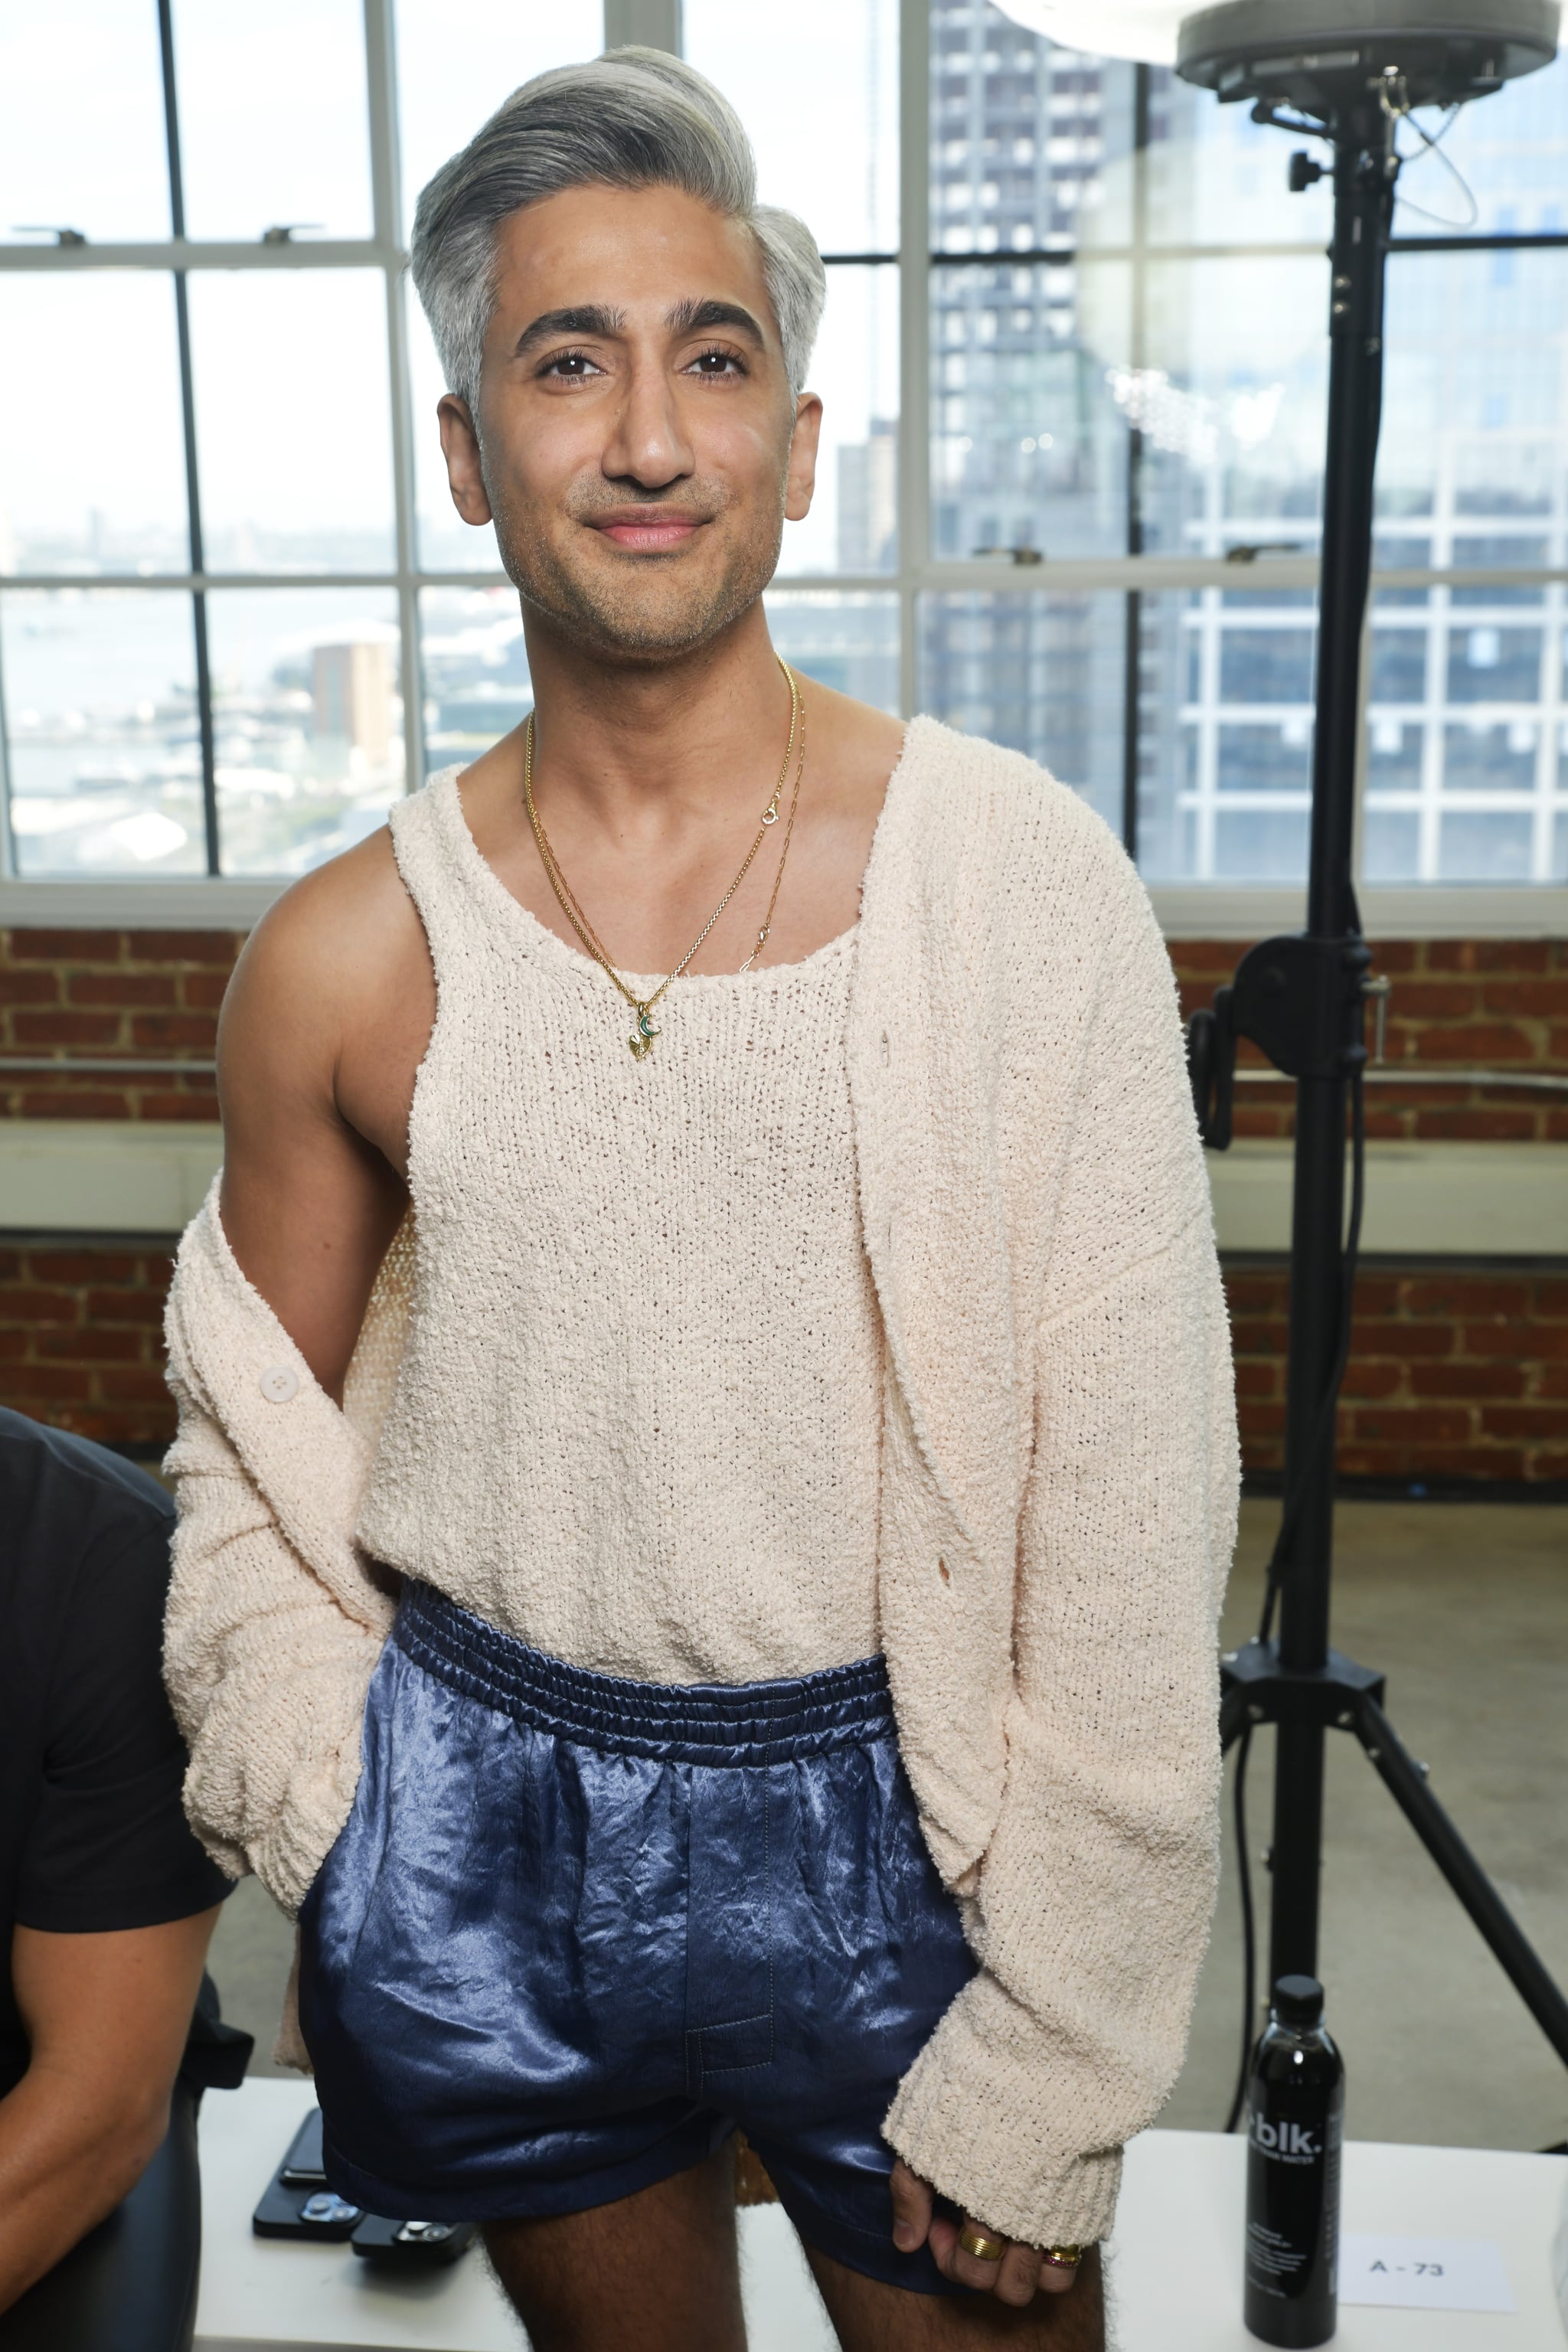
(1302, 1000)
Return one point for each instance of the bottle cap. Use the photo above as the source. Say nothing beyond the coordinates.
(1298, 2000)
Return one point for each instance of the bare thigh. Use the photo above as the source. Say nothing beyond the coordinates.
(869, 2316)
(655, 2273)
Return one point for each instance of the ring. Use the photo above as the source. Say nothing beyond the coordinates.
(973, 2240)
(1064, 2258)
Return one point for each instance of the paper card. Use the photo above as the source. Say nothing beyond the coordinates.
(1425, 2274)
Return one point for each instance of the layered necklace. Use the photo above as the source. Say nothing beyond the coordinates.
(643, 1032)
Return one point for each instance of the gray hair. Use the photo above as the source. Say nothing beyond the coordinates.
(634, 118)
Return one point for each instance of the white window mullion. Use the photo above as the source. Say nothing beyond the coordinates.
(914, 335)
(386, 203)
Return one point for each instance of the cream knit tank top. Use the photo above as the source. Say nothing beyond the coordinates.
(638, 1421)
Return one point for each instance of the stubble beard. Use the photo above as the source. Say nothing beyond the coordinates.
(647, 613)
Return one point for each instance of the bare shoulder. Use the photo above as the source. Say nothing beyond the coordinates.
(856, 745)
(326, 951)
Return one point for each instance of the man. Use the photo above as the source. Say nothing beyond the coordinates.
(797, 1409)
(109, 1902)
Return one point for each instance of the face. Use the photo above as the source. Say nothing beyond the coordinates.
(637, 443)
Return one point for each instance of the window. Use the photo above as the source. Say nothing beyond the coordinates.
(1074, 363)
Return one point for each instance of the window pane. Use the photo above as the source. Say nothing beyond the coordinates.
(1509, 150)
(1028, 439)
(1230, 397)
(1475, 431)
(1042, 673)
(853, 522)
(105, 766)
(273, 121)
(81, 120)
(1216, 177)
(1027, 139)
(850, 643)
(1226, 734)
(1467, 762)
(457, 59)
(477, 686)
(308, 715)
(102, 381)
(293, 419)
(821, 108)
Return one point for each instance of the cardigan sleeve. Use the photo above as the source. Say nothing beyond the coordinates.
(1093, 1899)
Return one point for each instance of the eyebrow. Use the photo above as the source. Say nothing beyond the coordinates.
(690, 317)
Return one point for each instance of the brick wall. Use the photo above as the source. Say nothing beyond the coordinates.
(1457, 1371)
(149, 995)
(1497, 1004)
(82, 1339)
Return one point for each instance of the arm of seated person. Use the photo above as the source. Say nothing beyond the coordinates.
(106, 2017)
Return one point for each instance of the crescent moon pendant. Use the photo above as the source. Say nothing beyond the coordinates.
(645, 1026)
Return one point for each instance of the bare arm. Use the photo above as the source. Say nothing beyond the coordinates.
(107, 2017)
(321, 1033)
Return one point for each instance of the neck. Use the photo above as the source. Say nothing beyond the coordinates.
(630, 740)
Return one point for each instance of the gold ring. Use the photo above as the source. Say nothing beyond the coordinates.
(1065, 2258)
(973, 2240)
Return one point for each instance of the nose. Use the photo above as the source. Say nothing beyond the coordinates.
(648, 442)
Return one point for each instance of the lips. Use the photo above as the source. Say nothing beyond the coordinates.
(649, 535)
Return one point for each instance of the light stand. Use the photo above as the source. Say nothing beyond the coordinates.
(1346, 71)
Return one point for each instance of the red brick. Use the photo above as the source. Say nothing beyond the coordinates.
(1258, 1339)
(51, 1381)
(121, 988)
(1257, 1419)
(1551, 1298)
(1426, 1339)
(90, 1345)
(185, 947)
(1487, 955)
(1413, 1425)
(1255, 1378)
(14, 1344)
(1467, 1380)
(1256, 1293)
(1216, 958)
(66, 1029)
(30, 988)
(1481, 1041)
(1463, 1294)
(144, 1306)
(152, 1032)
(1483, 1462)
(66, 947)
(1543, 1340)
(1377, 1294)
(1551, 1381)
(132, 1385)
(31, 1303)
(199, 1110)
(1363, 1380)
(1525, 1421)
(1557, 1045)
(83, 1264)
(204, 992)
(1527, 997)
(1396, 955)
(1434, 999)
(1550, 1464)
(60, 1102)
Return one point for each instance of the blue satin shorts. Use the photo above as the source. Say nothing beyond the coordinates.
(577, 1929)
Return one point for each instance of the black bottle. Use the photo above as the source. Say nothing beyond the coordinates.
(1295, 2115)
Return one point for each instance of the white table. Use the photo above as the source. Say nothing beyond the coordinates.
(1176, 2258)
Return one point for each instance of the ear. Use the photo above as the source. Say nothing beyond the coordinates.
(460, 447)
(800, 479)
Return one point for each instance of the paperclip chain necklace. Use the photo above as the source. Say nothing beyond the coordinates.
(642, 1037)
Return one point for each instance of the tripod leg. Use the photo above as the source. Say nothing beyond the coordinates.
(1464, 1874)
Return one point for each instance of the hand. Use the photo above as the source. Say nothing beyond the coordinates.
(1021, 2272)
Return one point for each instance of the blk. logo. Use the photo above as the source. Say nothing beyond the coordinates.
(1292, 2140)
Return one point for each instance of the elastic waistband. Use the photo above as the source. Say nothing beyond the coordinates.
(700, 1723)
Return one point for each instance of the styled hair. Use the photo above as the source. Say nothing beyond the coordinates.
(634, 118)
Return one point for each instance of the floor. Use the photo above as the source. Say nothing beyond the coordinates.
(1465, 1607)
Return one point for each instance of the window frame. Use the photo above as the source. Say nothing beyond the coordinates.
(1196, 908)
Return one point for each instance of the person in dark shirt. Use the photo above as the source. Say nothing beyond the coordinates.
(108, 1903)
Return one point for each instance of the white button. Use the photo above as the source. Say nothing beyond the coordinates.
(280, 1382)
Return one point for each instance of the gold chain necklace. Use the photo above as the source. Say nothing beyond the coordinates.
(643, 1036)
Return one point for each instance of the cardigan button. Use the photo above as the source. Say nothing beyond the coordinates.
(280, 1382)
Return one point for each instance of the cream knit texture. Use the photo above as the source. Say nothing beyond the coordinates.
(1059, 1486)
(659, 1457)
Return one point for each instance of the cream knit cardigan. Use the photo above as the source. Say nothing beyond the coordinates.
(1060, 1487)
